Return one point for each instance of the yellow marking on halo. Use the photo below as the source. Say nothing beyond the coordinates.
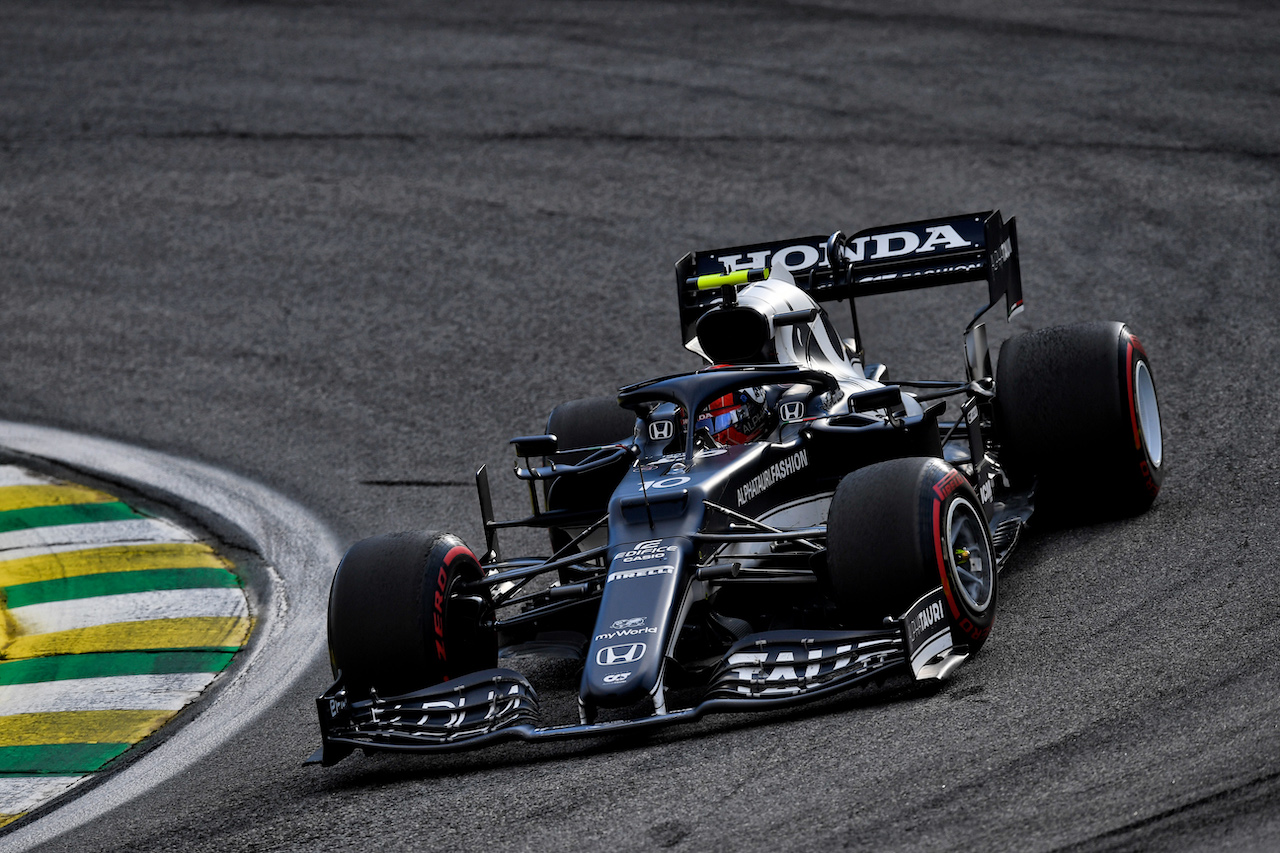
(6, 819)
(115, 558)
(189, 632)
(25, 497)
(80, 727)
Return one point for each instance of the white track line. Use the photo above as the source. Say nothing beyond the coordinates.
(169, 692)
(16, 475)
(19, 794)
(89, 534)
(130, 607)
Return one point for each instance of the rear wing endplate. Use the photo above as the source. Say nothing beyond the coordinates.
(887, 259)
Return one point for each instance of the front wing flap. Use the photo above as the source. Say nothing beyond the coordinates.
(759, 672)
(799, 663)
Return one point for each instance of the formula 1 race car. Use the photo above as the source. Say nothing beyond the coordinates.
(779, 525)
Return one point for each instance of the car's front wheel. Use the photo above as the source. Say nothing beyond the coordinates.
(399, 619)
(902, 528)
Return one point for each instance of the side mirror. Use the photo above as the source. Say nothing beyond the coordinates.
(535, 445)
(889, 398)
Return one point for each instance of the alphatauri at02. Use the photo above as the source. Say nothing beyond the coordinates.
(779, 525)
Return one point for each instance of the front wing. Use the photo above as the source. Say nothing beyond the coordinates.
(759, 672)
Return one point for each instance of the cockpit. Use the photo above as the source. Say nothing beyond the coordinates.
(775, 322)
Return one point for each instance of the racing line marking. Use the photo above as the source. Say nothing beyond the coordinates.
(111, 622)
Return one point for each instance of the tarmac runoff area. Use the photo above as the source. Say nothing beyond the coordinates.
(111, 621)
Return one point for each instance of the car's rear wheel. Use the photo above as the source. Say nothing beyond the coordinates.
(1076, 413)
(398, 619)
(590, 422)
(899, 529)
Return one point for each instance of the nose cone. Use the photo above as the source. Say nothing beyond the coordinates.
(624, 661)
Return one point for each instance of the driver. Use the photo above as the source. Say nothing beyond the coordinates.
(736, 418)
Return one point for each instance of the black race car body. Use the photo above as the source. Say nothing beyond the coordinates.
(856, 535)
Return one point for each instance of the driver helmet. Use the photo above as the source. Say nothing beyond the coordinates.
(736, 418)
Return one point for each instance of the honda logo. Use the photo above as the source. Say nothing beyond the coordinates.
(614, 655)
(792, 411)
(661, 430)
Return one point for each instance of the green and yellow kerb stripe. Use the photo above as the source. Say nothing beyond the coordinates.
(111, 621)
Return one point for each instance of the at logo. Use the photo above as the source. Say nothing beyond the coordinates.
(628, 623)
(617, 655)
(616, 678)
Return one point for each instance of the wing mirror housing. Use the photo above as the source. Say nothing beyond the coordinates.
(888, 398)
(535, 445)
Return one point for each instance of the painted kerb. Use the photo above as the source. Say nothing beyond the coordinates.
(111, 621)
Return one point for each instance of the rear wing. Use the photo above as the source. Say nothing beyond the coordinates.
(887, 259)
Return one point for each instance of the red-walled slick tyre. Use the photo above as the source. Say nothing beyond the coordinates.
(1076, 413)
(899, 529)
(398, 620)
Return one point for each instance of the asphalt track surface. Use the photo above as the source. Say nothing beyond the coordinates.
(324, 246)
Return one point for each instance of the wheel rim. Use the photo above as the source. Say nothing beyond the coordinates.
(969, 555)
(1144, 391)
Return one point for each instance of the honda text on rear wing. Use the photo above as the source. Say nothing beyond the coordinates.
(887, 259)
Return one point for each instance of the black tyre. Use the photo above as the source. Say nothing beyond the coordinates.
(397, 619)
(1076, 413)
(591, 422)
(899, 529)
(588, 423)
